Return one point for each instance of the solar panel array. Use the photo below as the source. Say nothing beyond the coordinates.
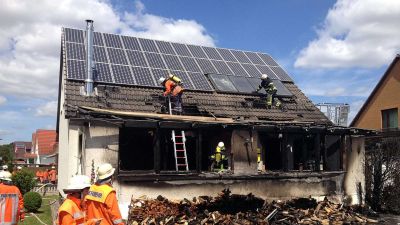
(137, 61)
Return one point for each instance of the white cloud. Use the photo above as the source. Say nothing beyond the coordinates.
(30, 36)
(355, 33)
(5, 132)
(48, 109)
(2, 100)
(354, 108)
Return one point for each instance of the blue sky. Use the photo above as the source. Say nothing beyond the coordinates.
(336, 51)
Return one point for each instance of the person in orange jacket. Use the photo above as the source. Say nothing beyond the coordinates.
(101, 200)
(175, 90)
(12, 209)
(39, 176)
(53, 175)
(46, 176)
(71, 212)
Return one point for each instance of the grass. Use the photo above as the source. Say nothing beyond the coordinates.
(43, 213)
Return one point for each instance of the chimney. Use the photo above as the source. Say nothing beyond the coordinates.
(89, 58)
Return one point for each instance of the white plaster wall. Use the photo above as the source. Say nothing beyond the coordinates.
(355, 169)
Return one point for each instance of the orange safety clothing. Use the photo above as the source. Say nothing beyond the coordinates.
(101, 203)
(72, 213)
(12, 204)
(172, 88)
(53, 175)
(45, 175)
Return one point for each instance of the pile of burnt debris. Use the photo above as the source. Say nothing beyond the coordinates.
(229, 208)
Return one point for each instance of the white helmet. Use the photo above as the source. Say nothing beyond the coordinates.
(5, 176)
(53, 167)
(161, 80)
(221, 144)
(5, 167)
(105, 171)
(19, 168)
(77, 183)
(264, 76)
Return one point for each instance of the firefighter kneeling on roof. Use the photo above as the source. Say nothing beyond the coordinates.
(101, 201)
(11, 201)
(271, 90)
(173, 87)
(219, 159)
(72, 211)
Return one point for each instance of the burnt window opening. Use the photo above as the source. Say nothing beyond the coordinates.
(136, 149)
(333, 153)
(271, 151)
(210, 139)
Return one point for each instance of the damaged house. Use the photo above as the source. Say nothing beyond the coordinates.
(116, 113)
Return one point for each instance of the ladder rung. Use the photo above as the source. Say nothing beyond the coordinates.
(179, 136)
(181, 164)
(181, 157)
(180, 150)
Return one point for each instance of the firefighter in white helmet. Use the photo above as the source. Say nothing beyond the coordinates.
(72, 210)
(102, 200)
(173, 88)
(270, 89)
(12, 202)
(219, 159)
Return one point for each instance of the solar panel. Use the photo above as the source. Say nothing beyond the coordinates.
(173, 62)
(197, 52)
(117, 56)
(165, 47)
(242, 84)
(221, 67)
(254, 58)
(100, 54)
(158, 73)
(240, 56)
(266, 70)
(139, 61)
(143, 76)
(267, 59)
(148, 45)
(155, 60)
(251, 70)
(237, 69)
(200, 82)
(136, 58)
(112, 40)
(190, 64)
(281, 73)
(181, 49)
(73, 35)
(131, 43)
(226, 55)
(76, 69)
(222, 83)
(212, 53)
(102, 73)
(122, 74)
(206, 66)
(186, 82)
(97, 39)
(76, 51)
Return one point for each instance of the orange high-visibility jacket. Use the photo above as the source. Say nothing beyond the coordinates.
(53, 175)
(46, 175)
(172, 87)
(101, 203)
(71, 213)
(12, 203)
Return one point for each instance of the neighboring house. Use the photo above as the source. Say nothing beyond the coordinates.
(123, 123)
(381, 110)
(45, 146)
(23, 152)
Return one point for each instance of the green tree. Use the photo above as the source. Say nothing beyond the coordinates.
(6, 155)
(24, 180)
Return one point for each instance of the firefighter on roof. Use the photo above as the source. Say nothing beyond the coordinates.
(173, 88)
(271, 90)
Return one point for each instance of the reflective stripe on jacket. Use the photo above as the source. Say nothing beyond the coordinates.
(101, 203)
(70, 212)
(11, 204)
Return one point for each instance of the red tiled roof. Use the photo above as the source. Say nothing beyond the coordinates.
(20, 148)
(29, 156)
(45, 140)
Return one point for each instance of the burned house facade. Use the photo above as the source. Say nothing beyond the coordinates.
(123, 121)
